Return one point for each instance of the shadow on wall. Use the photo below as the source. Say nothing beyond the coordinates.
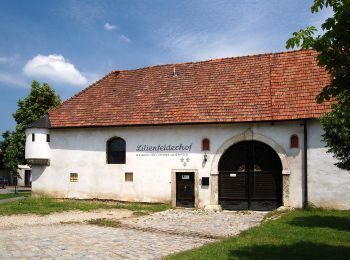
(300, 250)
(37, 172)
(338, 223)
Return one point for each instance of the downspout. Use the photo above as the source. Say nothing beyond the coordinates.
(305, 203)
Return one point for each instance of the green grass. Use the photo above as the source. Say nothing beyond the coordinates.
(300, 234)
(45, 205)
(104, 222)
(140, 213)
(14, 195)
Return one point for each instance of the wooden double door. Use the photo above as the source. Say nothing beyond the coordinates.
(250, 177)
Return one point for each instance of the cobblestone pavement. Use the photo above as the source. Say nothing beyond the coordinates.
(148, 237)
(197, 223)
(81, 241)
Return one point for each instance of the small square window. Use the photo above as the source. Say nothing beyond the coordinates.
(48, 138)
(33, 137)
(129, 177)
(74, 177)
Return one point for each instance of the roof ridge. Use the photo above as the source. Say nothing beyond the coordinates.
(263, 87)
(83, 90)
(210, 60)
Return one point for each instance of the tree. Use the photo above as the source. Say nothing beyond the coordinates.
(3, 146)
(333, 47)
(40, 100)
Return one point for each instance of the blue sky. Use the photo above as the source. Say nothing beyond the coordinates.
(70, 43)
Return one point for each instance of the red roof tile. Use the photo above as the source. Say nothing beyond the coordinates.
(279, 86)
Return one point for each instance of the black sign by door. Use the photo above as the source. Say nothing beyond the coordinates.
(250, 177)
(185, 189)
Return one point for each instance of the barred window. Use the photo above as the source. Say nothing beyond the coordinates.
(129, 177)
(74, 177)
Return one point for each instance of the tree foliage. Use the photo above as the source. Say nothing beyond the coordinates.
(3, 146)
(40, 100)
(333, 47)
(337, 135)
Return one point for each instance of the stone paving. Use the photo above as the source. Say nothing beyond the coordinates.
(198, 223)
(147, 237)
(79, 241)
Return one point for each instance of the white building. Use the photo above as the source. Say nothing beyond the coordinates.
(25, 178)
(237, 132)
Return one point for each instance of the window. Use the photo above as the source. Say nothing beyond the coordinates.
(73, 177)
(116, 151)
(48, 138)
(205, 144)
(33, 137)
(294, 141)
(129, 177)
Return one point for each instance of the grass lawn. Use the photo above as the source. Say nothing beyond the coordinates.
(300, 234)
(44, 205)
(14, 195)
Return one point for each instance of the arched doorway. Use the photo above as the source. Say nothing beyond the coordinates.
(250, 177)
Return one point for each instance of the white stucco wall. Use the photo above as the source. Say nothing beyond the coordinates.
(328, 186)
(83, 151)
(39, 149)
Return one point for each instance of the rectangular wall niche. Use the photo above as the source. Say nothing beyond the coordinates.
(74, 177)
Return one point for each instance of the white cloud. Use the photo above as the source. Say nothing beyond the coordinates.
(204, 46)
(5, 59)
(109, 27)
(92, 77)
(54, 68)
(123, 38)
(12, 80)
(218, 31)
(84, 12)
(8, 60)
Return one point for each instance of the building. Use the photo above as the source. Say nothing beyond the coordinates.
(235, 132)
(24, 173)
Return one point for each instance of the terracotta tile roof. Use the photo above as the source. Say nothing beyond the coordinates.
(278, 86)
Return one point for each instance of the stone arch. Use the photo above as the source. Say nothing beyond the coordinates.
(248, 135)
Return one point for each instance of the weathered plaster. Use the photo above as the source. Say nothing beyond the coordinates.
(84, 151)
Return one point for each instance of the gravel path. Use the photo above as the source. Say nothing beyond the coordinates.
(11, 199)
(62, 217)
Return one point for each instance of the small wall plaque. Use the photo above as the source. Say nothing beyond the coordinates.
(205, 181)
